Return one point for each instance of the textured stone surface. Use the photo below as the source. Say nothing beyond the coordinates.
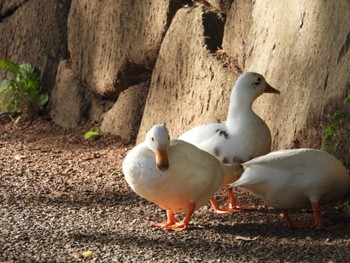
(114, 44)
(299, 49)
(124, 118)
(7, 7)
(67, 103)
(35, 32)
(219, 5)
(302, 48)
(189, 84)
(238, 25)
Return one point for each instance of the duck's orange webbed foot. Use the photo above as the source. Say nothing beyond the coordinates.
(172, 220)
(221, 210)
(178, 227)
(184, 225)
(318, 225)
(290, 221)
(232, 203)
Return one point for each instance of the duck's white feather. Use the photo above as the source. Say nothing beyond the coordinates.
(290, 179)
(193, 175)
(241, 142)
(244, 135)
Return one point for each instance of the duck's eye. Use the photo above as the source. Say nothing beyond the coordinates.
(259, 79)
(152, 139)
(168, 138)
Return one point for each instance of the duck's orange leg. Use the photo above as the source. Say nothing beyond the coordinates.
(184, 225)
(231, 200)
(318, 221)
(232, 203)
(172, 220)
(290, 222)
(218, 209)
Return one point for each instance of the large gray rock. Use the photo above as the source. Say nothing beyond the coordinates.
(35, 32)
(114, 43)
(124, 118)
(7, 8)
(68, 103)
(189, 85)
(222, 6)
(302, 48)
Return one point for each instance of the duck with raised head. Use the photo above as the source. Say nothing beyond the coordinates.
(297, 178)
(242, 137)
(173, 174)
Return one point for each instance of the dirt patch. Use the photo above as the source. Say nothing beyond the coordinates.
(61, 194)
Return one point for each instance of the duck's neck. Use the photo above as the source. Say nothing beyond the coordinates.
(239, 107)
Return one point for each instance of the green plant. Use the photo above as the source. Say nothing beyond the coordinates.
(92, 134)
(21, 94)
(333, 138)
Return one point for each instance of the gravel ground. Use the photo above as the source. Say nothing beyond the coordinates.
(60, 194)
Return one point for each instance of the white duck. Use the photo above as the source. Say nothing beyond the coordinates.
(174, 174)
(242, 137)
(292, 179)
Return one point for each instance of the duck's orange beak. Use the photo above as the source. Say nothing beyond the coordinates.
(270, 89)
(162, 160)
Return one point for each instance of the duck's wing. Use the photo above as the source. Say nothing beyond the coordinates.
(203, 134)
(136, 158)
(202, 159)
(191, 153)
(194, 167)
(292, 159)
(273, 167)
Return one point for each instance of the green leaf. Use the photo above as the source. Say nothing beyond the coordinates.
(5, 86)
(346, 100)
(43, 99)
(24, 89)
(8, 106)
(9, 65)
(93, 134)
(328, 136)
(336, 114)
(331, 129)
(26, 70)
(343, 120)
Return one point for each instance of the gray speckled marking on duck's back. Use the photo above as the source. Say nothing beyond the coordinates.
(222, 133)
